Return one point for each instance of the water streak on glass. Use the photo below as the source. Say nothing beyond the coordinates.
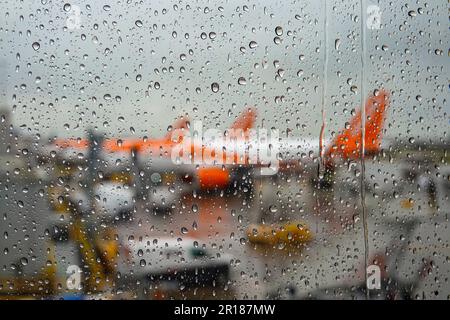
(363, 132)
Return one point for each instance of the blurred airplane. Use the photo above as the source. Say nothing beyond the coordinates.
(227, 162)
(347, 144)
(118, 159)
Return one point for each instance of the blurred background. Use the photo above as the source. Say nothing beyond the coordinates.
(94, 204)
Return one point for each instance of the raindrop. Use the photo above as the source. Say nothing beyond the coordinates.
(138, 23)
(279, 31)
(215, 87)
(242, 81)
(36, 46)
(337, 44)
(252, 44)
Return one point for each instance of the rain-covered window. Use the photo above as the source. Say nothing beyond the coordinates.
(224, 150)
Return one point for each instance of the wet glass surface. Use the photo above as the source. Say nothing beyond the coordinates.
(257, 150)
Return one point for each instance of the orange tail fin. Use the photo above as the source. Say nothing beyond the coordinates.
(348, 143)
(246, 120)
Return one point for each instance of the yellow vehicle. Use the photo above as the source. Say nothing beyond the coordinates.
(98, 250)
(293, 234)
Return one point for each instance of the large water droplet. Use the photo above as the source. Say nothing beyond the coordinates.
(279, 31)
(215, 87)
(337, 44)
(252, 44)
(242, 81)
(24, 261)
(36, 46)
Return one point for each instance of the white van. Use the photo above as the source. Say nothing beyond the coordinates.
(182, 262)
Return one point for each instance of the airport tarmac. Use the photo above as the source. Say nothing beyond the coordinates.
(334, 258)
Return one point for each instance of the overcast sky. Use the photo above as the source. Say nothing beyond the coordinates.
(132, 67)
